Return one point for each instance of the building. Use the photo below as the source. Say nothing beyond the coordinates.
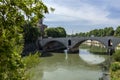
(42, 27)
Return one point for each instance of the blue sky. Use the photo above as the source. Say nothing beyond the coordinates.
(83, 15)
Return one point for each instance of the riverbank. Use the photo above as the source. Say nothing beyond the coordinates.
(115, 66)
(115, 71)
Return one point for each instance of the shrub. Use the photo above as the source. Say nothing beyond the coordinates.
(115, 75)
(115, 71)
(12, 17)
(115, 66)
(116, 55)
(32, 60)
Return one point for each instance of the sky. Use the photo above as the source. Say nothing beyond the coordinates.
(83, 15)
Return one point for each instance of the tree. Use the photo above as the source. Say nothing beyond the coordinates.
(62, 32)
(117, 32)
(55, 32)
(13, 15)
(81, 34)
(109, 31)
(31, 33)
(95, 32)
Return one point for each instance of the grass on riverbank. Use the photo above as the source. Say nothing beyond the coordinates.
(115, 66)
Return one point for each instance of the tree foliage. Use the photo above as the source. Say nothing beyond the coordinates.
(31, 33)
(107, 31)
(13, 14)
(55, 32)
(117, 32)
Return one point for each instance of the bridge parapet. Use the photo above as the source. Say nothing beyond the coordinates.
(44, 41)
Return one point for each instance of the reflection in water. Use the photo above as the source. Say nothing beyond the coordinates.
(66, 54)
(60, 67)
(66, 74)
(90, 58)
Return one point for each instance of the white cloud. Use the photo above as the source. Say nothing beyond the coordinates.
(84, 12)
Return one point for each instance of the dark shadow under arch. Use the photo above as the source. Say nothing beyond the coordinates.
(69, 42)
(54, 46)
(109, 42)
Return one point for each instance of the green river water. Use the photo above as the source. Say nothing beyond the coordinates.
(61, 66)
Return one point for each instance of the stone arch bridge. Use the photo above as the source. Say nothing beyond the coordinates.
(73, 42)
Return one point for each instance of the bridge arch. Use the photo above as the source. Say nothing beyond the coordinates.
(77, 44)
(54, 45)
(80, 42)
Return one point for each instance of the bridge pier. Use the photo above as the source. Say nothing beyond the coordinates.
(110, 51)
(44, 53)
(75, 50)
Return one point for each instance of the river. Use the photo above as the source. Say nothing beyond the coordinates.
(82, 66)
